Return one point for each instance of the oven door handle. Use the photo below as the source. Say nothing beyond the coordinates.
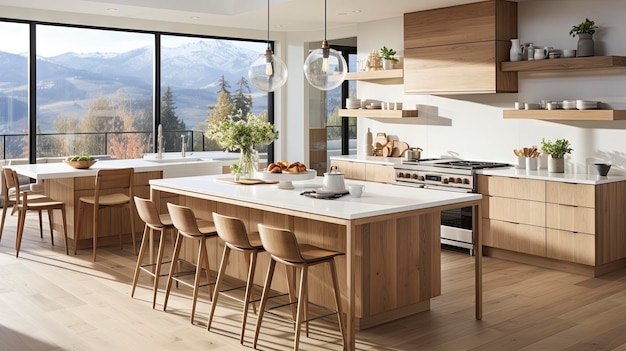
(447, 188)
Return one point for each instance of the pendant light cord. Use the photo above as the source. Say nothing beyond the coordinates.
(268, 24)
(325, 19)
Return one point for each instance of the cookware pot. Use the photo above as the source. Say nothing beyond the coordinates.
(334, 181)
(413, 153)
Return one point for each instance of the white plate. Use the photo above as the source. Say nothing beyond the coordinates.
(285, 179)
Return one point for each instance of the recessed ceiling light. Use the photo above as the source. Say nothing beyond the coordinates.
(342, 13)
(111, 9)
(357, 11)
(194, 17)
(278, 26)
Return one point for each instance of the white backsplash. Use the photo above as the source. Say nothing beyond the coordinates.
(472, 127)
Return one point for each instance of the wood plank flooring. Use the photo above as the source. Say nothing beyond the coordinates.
(50, 301)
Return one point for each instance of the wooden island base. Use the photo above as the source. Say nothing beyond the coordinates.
(397, 260)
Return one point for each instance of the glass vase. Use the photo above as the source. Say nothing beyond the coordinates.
(247, 165)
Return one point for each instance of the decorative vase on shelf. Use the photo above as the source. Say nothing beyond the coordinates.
(515, 54)
(556, 165)
(247, 165)
(585, 45)
(388, 64)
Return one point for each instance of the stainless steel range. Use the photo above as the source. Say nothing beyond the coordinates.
(447, 175)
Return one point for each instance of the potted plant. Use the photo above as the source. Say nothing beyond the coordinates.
(556, 151)
(585, 32)
(389, 57)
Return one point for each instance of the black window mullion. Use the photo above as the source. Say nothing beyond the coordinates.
(156, 113)
(32, 94)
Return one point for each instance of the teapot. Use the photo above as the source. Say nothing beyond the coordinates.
(334, 181)
(413, 153)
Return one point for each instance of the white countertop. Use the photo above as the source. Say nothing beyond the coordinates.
(61, 170)
(581, 178)
(377, 199)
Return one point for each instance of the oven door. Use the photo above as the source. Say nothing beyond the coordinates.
(457, 227)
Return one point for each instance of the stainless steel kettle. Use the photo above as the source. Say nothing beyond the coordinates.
(334, 181)
(413, 153)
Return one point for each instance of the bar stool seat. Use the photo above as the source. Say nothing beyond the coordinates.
(154, 222)
(189, 227)
(235, 236)
(283, 247)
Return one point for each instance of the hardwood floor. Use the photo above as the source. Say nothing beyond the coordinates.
(50, 301)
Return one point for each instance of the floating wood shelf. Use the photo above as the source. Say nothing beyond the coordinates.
(567, 115)
(388, 76)
(574, 63)
(378, 113)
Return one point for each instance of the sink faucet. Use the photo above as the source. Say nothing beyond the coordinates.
(159, 142)
(182, 149)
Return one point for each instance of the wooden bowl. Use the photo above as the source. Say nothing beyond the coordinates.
(80, 164)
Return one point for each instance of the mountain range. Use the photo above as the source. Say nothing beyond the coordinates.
(68, 82)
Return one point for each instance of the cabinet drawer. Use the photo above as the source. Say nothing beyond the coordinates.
(571, 218)
(515, 237)
(379, 173)
(569, 246)
(527, 189)
(571, 194)
(513, 210)
(351, 170)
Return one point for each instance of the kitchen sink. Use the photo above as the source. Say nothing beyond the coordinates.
(174, 160)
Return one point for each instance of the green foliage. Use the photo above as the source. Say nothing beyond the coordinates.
(388, 54)
(242, 132)
(80, 158)
(558, 149)
(586, 27)
(170, 122)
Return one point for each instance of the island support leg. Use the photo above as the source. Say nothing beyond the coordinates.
(478, 256)
(350, 267)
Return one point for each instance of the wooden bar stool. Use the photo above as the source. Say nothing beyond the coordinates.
(189, 227)
(107, 180)
(10, 190)
(25, 203)
(235, 236)
(283, 247)
(154, 222)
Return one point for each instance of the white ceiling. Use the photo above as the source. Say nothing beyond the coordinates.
(285, 15)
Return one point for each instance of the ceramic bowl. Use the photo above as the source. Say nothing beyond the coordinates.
(80, 164)
(602, 168)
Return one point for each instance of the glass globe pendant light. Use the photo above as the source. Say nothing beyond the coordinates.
(325, 68)
(268, 72)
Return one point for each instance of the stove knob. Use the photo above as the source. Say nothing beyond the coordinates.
(400, 175)
(444, 180)
(407, 175)
(465, 181)
(458, 181)
(451, 180)
(414, 176)
(420, 178)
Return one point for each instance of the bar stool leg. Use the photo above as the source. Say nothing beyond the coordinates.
(301, 306)
(157, 272)
(333, 273)
(95, 230)
(196, 284)
(179, 242)
(77, 223)
(266, 289)
(41, 225)
(218, 284)
(50, 224)
(67, 249)
(249, 293)
(142, 250)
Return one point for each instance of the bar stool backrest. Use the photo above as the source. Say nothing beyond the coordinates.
(231, 230)
(184, 219)
(114, 179)
(147, 212)
(280, 243)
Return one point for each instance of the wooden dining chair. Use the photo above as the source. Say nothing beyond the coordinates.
(24, 204)
(9, 186)
(113, 188)
(284, 248)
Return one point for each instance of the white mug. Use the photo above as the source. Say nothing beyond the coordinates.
(356, 190)
(541, 54)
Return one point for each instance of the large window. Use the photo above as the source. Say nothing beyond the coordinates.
(94, 92)
(95, 89)
(13, 90)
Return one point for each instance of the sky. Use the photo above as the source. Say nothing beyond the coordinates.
(56, 40)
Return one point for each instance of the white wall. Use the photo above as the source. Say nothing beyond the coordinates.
(472, 127)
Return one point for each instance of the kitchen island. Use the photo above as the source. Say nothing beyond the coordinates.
(390, 237)
(64, 183)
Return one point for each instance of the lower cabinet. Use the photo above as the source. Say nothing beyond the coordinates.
(562, 223)
(365, 171)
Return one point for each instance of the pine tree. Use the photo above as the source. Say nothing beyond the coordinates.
(242, 101)
(170, 122)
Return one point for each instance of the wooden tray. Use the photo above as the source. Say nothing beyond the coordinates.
(247, 181)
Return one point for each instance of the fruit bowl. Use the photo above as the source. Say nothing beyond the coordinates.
(80, 164)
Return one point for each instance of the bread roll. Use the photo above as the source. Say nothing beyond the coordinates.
(296, 167)
(274, 168)
(283, 164)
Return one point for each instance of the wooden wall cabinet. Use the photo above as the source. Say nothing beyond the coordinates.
(458, 49)
(568, 226)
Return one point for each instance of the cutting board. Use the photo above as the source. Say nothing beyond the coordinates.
(398, 148)
(251, 181)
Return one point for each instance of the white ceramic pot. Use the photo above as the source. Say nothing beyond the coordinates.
(556, 165)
